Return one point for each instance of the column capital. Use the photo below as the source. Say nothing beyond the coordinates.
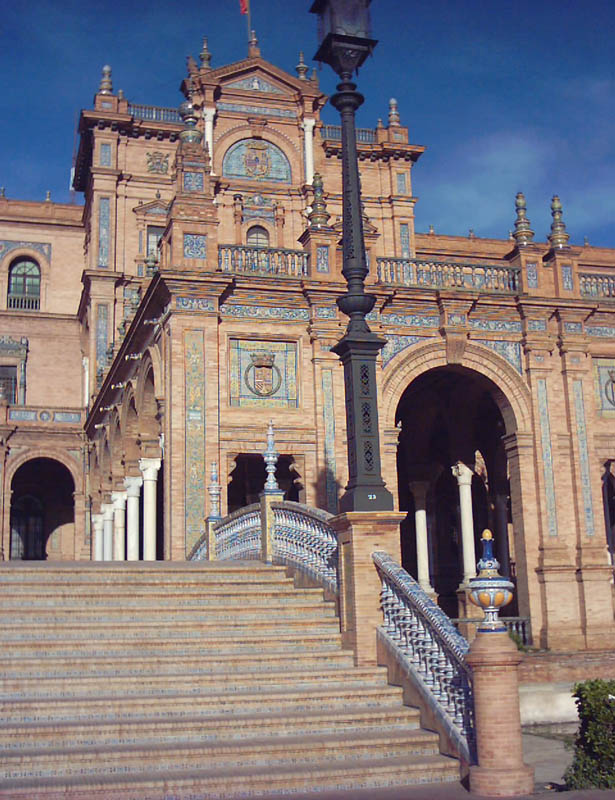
(107, 510)
(463, 473)
(119, 499)
(209, 113)
(149, 467)
(133, 484)
(308, 124)
(419, 491)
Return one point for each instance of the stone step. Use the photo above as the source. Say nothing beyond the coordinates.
(204, 703)
(297, 749)
(118, 594)
(80, 733)
(181, 644)
(78, 665)
(243, 781)
(167, 628)
(42, 686)
(139, 570)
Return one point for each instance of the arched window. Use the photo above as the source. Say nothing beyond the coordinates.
(257, 236)
(24, 285)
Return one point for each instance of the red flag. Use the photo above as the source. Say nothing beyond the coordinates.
(243, 6)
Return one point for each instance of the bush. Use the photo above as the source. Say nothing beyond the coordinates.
(594, 749)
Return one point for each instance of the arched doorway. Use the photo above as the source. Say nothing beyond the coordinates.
(449, 416)
(42, 511)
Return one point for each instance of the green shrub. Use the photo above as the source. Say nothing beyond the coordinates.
(594, 749)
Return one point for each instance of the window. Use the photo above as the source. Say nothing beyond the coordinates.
(258, 236)
(404, 238)
(402, 183)
(8, 383)
(154, 235)
(24, 285)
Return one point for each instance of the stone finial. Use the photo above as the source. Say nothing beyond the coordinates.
(302, 68)
(314, 77)
(523, 233)
(318, 216)
(431, 231)
(586, 241)
(393, 112)
(271, 456)
(380, 123)
(120, 94)
(189, 117)
(205, 55)
(151, 265)
(106, 87)
(253, 48)
(48, 196)
(2, 191)
(558, 236)
(471, 234)
(214, 490)
(191, 65)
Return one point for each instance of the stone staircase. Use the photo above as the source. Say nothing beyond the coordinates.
(163, 680)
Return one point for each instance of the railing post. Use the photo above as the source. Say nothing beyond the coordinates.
(271, 494)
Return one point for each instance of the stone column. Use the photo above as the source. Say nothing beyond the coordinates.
(419, 492)
(308, 134)
(107, 512)
(359, 534)
(464, 481)
(133, 492)
(208, 116)
(97, 537)
(500, 772)
(119, 525)
(149, 468)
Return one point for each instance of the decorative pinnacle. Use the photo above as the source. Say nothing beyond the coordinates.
(189, 116)
(314, 76)
(106, 87)
(271, 459)
(318, 216)
(489, 590)
(205, 55)
(214, 490)
(523, 233)
(302, 68)
(253, 48)
(393, 112)
(558, 237)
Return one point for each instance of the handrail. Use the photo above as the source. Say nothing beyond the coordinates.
(429, 649)
(266, 261)
(420, 273)
(304, 540)
(519, 626)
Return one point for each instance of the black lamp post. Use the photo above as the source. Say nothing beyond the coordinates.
(345, 43)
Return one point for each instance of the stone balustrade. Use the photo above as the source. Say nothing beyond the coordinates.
(153, 113)
(364, 135)
(448, 275)
(602, 286)
(237, 536)
(266, 261)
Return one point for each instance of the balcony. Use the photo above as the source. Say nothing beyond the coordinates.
(601, 286)
(266, 261)
(153, 113)
(448, 275)
(364, 135)
(23, 302)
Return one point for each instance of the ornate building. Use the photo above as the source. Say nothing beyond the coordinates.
(154, 331)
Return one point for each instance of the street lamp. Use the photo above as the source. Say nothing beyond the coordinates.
(345, 43)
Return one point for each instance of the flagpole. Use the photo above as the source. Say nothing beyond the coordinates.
(249, 22)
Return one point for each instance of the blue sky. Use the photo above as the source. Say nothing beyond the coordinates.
(506, 96)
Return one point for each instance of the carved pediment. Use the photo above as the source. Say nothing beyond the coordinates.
(157, 208)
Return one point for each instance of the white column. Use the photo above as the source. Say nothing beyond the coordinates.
(208, 116)
(119, 525)
(419, 492)
(133, 492)
(107, 512)
(97, 537)
(308, 133)
(464, 481)
(149, 468)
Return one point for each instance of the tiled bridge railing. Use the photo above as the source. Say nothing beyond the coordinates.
(267, 261)
(448, 275)
(416, 634)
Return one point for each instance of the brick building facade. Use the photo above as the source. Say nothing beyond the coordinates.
(155, 330)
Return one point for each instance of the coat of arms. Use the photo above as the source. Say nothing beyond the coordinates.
(262, 376)
(157, 162)
(257, 160)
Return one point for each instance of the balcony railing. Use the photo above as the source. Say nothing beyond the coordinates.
(154, 113)
(262, 261)
(24, 302)
(597, 285)
(448, 275)
(364, 135)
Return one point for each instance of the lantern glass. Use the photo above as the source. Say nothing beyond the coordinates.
(343, 18)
